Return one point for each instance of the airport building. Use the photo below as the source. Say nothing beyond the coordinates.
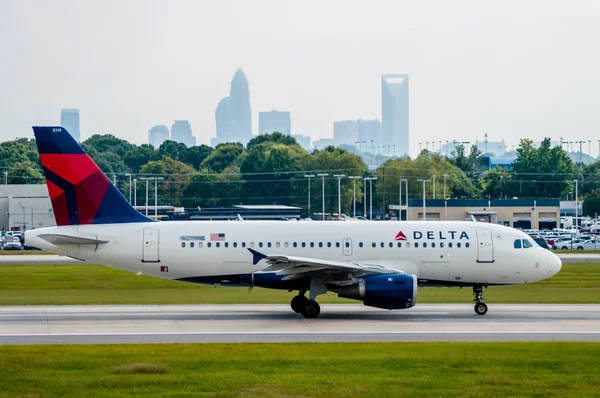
(517, 213)
(24, 207)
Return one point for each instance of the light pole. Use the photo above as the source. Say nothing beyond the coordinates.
(365, 198)
(434, 186)
(6, 175)
(353, 178)
(339, 178)
(445, 175)
(405, 180)
(156, 196)
(147, 182)
(424, 181)
(309, 176)
(135, 192)
(129, 174)
(370, 195)
(115, 180)
(323, 179)
(576, 203)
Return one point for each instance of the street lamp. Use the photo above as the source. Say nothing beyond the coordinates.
(353, 178)
(6, 176)
(146, 179)
(135, 192)
(424, 181)
(115, 180)
(156, 195)
(576, 203)
(323, 179)
(309, 176)
(405, 180)
(370, 195)
(129, 175)
(339, 178)
(445, 175)
(434, 186)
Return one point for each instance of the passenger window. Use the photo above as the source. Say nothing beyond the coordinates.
(391, 244)
(295, 244)
(251, 244)
(527, 244)
(182, 244)
(337, 244)
(407, 245)
(458, 245)
(328, 244)
(399, 244)
(218, 244)
(208, 244)
(416, 244)
(467, 244)
(347, 244)
(320, 244)
(382, 244)
(360, 244)
(277, 244)
(303, 244)
(259, 244)
(286, 244)
(234, 244)
(374, 244)
(517, 243)
(432, 244)
(441, 244)
(226, 244)
(200, 244)
(450, 245)
(243, 244)
(424, 244)
(191, 244)
(312, 244)
(269, 244)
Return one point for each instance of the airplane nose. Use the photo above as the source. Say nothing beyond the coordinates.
(554, 264)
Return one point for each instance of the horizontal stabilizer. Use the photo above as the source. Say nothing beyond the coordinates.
(59, 239)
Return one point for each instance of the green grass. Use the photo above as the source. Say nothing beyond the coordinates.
(23, 252)
(303, 370)
(576, 251)
(94, 284)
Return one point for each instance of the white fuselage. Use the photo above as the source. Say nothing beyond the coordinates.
(439, 251)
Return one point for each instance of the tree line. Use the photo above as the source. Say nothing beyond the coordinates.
(273, 169)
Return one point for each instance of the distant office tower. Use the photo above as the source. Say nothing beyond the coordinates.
(323, 143)
(303, 141)
(370, 138)
(345, 132)
(394, 112)
(270, 122)
(157, 135)
(181, 131)
(69, 119)
(233, 114)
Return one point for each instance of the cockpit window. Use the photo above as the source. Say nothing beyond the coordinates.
(527, 243)
(517, 243)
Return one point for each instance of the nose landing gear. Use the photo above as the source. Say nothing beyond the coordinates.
(480, 307)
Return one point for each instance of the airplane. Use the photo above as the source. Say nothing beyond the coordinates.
(379, 263)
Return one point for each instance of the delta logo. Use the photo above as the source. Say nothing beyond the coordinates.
(434, 235)
(400, 236)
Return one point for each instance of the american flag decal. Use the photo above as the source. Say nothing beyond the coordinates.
(217, 236)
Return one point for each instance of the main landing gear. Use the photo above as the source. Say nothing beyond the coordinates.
(308, 308)
(480, 307)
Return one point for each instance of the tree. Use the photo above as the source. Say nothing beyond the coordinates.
(177, 176)
(542, 172)
(194, 156)
(224, 155)
(139, 156)
(108, 143)
(471, 163)
(591, 203)
(24, 172)
(172, 149)
(208, 189)
(20, 160)
(275, 137)
(495, 183)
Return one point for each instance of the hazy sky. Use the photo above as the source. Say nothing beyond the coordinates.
(509, 68)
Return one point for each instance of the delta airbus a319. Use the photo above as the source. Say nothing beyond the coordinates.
(381, 264)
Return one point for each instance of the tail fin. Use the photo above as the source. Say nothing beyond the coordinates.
(80, 192)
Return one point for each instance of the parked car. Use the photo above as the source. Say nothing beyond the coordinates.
(12, 243)
(569, 244)
(542, 242)
(592, 244)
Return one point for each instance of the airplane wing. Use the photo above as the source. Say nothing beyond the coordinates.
(292, 265)
(60, 239)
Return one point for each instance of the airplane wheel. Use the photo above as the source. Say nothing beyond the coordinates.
(311, 309)
(298, 303)
(481, 309)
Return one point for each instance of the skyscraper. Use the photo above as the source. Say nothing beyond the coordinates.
(345, 132)
(394, 112)
(69, 119)
(157, 135)
(181, 131)
(233, 114)
(369, 135)
(269, 122)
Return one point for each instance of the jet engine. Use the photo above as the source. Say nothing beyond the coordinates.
(388, 291)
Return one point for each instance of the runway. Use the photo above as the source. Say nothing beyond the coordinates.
(277, 323)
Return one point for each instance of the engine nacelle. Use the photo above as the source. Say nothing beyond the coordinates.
(389, 291)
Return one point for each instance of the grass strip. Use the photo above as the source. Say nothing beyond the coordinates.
(72, 284)
(303, 370)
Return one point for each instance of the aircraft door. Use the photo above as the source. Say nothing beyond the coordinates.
(347, 246)
(150, 246)
(485, 246)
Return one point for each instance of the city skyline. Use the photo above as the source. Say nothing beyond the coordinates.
(233, 115)
(475, 68)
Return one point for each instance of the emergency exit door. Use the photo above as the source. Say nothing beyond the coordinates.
(150, 246)
(485, 246)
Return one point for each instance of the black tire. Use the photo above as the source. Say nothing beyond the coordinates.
(298, 303)
(580, 248)
(564, 248)
(481, 309)
(311, 309)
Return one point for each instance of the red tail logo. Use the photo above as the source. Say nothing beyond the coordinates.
(400, 236)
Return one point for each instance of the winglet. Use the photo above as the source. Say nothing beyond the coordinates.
(256, 256)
